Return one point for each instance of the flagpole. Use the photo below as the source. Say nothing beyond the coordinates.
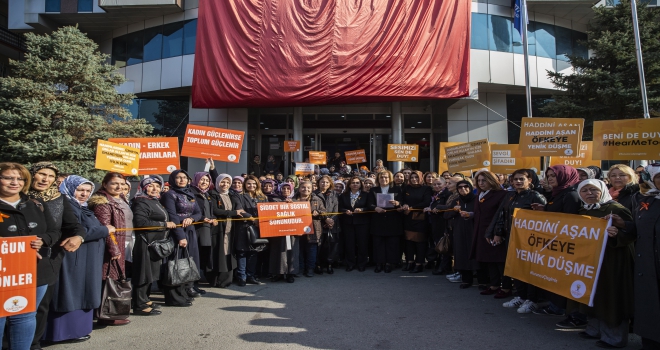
(528, 88)
(640, 63)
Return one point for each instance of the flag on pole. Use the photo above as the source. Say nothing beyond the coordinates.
(518, 7)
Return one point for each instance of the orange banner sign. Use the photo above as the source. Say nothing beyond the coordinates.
(473, 155)
(355, 157)
(550, 136)
(117, 157)
(317, 157)
(277, 219)
(580, 160)
(206, 142)
(18, 287)
(505, 159)
(627, 139)
(402, 152)
(291, 146)
(560, 253)
(304, 169)
(442, 158)
(158, 155)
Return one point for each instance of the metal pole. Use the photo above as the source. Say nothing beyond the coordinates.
(397, 131)
(640, 63)
(528, 88)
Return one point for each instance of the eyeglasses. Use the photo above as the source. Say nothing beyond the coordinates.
(12, 179)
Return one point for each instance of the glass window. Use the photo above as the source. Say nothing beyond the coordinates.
(53, 5)
(134, 48)
(173, 39)
(119, 51)
(85, 5)
(189, 36)
(579, 44)
(416, 121)
(545, 40)
(153, 43)
(479, 35)
(517, 40)
(564, 43)
(499, 34)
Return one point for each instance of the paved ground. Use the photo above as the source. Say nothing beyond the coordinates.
(347, 310)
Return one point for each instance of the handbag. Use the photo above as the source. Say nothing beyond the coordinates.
(179, 270)
(115, 297)
(254, 236)
(161, 248)
(444, 245)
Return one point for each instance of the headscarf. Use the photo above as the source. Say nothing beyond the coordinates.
(653, 170)
(604, 193)
(420, 176)
(590, 173)
(142, 187)
(279, 190)
(51, 192)
(234, 191)
(534, 179)
(468, 197)
(219, 179)
(598, 172)
(186, 191)
(270, 181)
(295, 181)
(198, 177)
(343, 185)
(70, 184)
(567, 176)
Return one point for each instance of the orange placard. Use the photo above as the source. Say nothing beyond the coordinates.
(316, 157)
(402, 152)
(505, 159)
(627, 139)
(560, 253)
(304, 169)
(277, 219)
(442, 158)
(291, 146)
(117, 157)
(473, 155)
(550, 137)
(355, 157)
(18, 287)
(158, 155)
(206, 142)
(581, 160)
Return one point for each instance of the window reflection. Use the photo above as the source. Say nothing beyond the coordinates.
(173, 39)
(499, 37)
(189, 36)
(134, 48)
(153, 42)
(85, 5)
(53, 5)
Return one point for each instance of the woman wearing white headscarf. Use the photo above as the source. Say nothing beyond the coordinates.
(645, 228)
(222, 272)
(609, 318)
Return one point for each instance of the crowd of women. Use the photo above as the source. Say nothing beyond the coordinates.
(360, 220)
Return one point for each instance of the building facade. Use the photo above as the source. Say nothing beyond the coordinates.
(152, 43)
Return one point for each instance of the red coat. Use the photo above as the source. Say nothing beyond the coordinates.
(110, 213)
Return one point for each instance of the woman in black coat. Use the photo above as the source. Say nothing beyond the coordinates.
(386, 223)
(246, 253)
(17, 211)
(416, 197)
(147, 212)
(463, 228)
(437, 221)
(181, 208)
(355, 225)
(499, 230)
(284, 251)
(78, 290)
(645, 230)
(201, 187)
(329, 242)
(221, 273)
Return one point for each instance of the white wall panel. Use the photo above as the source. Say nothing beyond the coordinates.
(189, 4)
(16, 10)
(564, 67)
(151, 75)
(498, 132)
(477, 111)
(498, 10)
(496, 102)
(175, 17)
(218, 115)
(457, 131)
(519, 70)
(134, 74)
(542, 65)
(171, 73)
(187, 66)
(479, 69)
(479, 7)
(477, 130)
(191, 14)
(501, 67)
(543, 18)
(457, 114)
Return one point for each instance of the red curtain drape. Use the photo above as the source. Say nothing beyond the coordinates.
(262, 53)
